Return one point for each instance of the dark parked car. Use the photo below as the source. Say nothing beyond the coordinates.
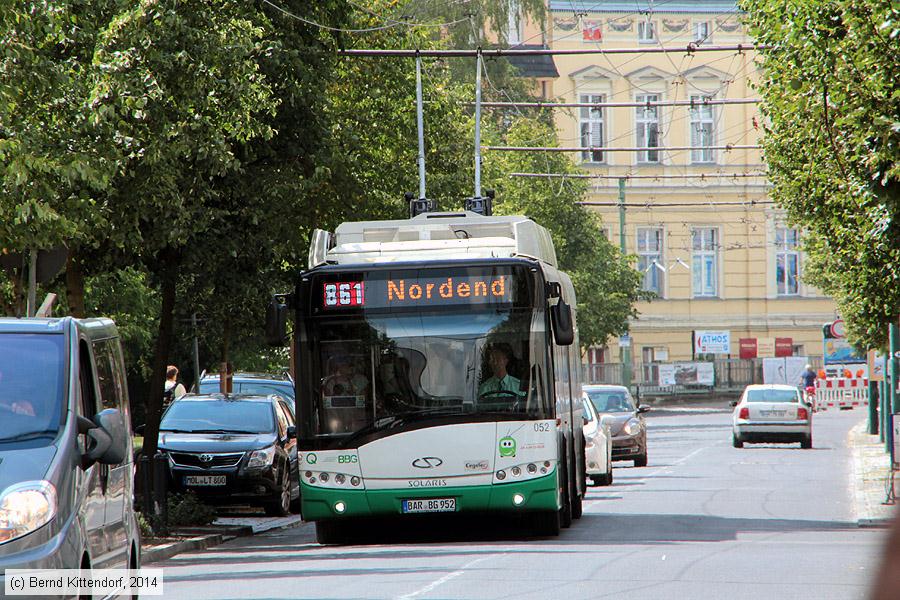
(233, 449)
(626, 423)
(253, 383)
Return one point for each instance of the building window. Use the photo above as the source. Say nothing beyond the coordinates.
(787, 261)
(650, 259)
(646, 32)
(706, 249)
(647, 127)
(702, 32)
(702, 131)
(514, 23)
(592, 130)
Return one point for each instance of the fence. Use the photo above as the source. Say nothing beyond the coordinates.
(731, 376)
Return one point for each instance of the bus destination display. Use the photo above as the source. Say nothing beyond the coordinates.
(411, 289)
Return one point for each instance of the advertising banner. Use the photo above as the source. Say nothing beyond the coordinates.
(784, 346)
(697, 373)
(747, 348)
(784, 370)
(712, 342)
(839, 351)
(876, 365)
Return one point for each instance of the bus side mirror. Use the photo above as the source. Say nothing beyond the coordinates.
(276, 322)
(563, 327)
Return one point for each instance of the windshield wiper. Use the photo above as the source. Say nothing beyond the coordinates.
(29, 435)
(220, 431)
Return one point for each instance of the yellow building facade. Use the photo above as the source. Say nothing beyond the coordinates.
(718, 254)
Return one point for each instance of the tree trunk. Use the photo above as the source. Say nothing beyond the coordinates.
(161, 355)
(75, 285)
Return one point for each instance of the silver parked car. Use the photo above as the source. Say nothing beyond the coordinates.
(772, 413)
(65, 448)
(625, 418)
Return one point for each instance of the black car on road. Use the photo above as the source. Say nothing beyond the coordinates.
(233, 449)
(252, 383)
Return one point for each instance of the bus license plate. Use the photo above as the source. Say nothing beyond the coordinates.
(204, 480)
(429, 505)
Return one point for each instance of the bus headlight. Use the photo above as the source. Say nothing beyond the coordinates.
(501, 475)
(26, 507)
(518, 499)
(340, 507)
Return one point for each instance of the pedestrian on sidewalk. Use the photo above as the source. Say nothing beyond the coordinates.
(173, 389)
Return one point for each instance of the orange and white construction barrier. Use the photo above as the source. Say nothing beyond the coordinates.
(842, 392)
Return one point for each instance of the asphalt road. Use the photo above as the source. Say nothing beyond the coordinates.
(703, 520)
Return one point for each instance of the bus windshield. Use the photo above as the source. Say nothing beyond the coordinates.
(383, 369)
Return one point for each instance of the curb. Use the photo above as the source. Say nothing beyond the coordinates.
(205, 537)
(154, 554)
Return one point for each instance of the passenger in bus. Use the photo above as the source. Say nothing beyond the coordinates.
(499, 357)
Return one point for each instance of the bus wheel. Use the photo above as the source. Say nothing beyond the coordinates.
(545, 523)
(565, 510)
(330, 532)
(579, 482)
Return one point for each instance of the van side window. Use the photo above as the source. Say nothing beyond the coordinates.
(106, 370)
(89, 403)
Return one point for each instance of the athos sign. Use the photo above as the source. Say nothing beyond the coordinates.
(712, 342)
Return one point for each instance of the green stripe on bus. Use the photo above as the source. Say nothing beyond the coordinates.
(539, 493)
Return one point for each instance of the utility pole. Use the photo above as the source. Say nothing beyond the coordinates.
(624, 351)
(196, 353)
(420, 127)
(31, 302)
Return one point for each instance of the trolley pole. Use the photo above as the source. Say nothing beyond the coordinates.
(420, 127)
(624, 352)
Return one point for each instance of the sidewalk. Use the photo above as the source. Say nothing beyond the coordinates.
(870, 478)
(222, 529)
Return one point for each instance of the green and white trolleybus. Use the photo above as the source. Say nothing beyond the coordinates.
(437, 372)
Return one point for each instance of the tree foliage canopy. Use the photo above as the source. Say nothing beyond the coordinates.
(832, 101)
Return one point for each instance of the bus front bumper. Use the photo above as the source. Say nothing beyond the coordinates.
(539, 494)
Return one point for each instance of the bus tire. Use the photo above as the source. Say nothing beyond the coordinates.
(330, 532)
(579, 482)
(545, 523)
(565, 509)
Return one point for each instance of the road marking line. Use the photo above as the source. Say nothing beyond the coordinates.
(445, 578)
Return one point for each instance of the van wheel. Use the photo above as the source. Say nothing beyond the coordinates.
(85, 572)
(280, 503)
(133, 565)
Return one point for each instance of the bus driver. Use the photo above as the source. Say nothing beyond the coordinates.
(499, 356)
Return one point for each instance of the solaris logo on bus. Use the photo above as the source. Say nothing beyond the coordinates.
(507, 446)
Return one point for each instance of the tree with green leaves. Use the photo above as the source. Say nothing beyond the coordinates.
(831, 100)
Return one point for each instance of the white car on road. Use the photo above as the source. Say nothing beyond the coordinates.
(597, 445)
(772, 413)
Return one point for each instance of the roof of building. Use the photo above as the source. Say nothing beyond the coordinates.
(533, 65)
(645, 6)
